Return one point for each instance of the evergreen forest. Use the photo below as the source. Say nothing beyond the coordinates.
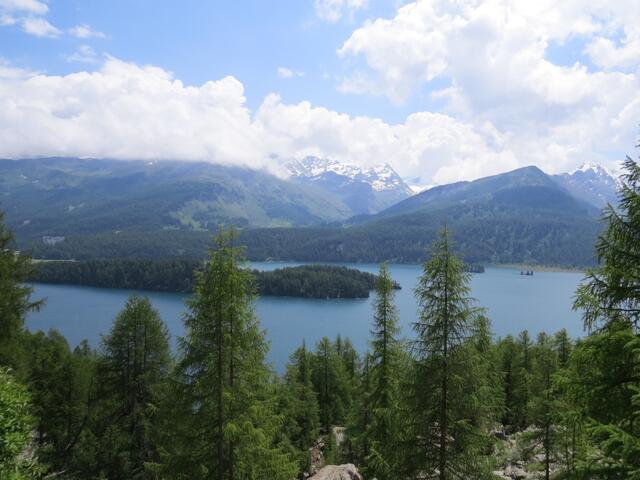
(448, 402)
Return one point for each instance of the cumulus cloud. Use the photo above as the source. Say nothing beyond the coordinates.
(492, 58)
(83, 54)
(284, 72)
(128, 111)
(85, 31)
(30, 6)
(39, 27)
(333, 10)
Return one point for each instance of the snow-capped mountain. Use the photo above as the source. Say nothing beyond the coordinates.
(592, 183)
(364, 190)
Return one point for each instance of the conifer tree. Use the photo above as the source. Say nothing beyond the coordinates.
(331, 383)
(525, 372)
(608, 362)
(543, 401)
(133, 372)
(483, 376)
(384, 376)
(228, 400)
(610, 292)
(445, 438)
(15, 297)
(298, 404)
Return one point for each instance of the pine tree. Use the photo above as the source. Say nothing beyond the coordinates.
(445, 438)
(227, 394)
(133, 373)
(384, 375)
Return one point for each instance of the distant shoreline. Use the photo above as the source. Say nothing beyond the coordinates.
(539, 268)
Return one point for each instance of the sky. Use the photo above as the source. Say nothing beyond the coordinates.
(441, 90)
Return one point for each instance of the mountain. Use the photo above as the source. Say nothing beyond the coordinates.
(64, 196)
(522, 216)
(363, 190)
(526, 187)
(592, 183)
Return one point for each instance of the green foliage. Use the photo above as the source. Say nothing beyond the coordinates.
(298, 405)
(133, 370)
(16, 423)
(610, 291)
(15, 301)
(307, 281)
(224, 379)
(331, 383)
(316, 281)
(446, 439)
(58, 380)
(383, 371)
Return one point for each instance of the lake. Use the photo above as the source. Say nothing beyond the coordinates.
(514, 302)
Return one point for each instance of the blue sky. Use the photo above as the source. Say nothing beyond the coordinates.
(441, 90)
(201, 40)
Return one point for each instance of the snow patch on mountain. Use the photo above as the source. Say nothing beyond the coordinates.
(593, 183)
(380, 177)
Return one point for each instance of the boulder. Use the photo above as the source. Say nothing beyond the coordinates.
(338, 472)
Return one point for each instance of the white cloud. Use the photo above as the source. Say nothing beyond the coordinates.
(39, 27)
(606, 54)
(83, 54)
(6, 20)
(284, 72)
(31, 6)
(85, 31)
(333, 10)
(128, 111)
(491, 57)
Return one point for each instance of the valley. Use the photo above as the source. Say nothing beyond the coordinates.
(325, 211)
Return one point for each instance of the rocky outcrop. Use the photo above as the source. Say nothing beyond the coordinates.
(316, 456)
(338, 472)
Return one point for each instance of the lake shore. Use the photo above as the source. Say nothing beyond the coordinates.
(538, 268)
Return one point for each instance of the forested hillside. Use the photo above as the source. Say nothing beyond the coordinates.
(307, 281)
(448, 402)
(72, 196)
(65, 209)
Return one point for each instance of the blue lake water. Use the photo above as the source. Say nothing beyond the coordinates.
(513, 302)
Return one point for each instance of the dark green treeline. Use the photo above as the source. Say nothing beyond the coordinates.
(450, 402)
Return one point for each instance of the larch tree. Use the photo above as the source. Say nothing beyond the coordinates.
(609, 360)
(225, 378)
(133, 372)
(15, 297)
(445, 439)
(384, 376)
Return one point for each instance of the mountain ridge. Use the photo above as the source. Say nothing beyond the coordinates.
(366, 190)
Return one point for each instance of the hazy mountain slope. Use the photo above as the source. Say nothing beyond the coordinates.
(592, 183)
(517, 217)
(363, 190)
(524, 187)
(63, 196)
(121, 209)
